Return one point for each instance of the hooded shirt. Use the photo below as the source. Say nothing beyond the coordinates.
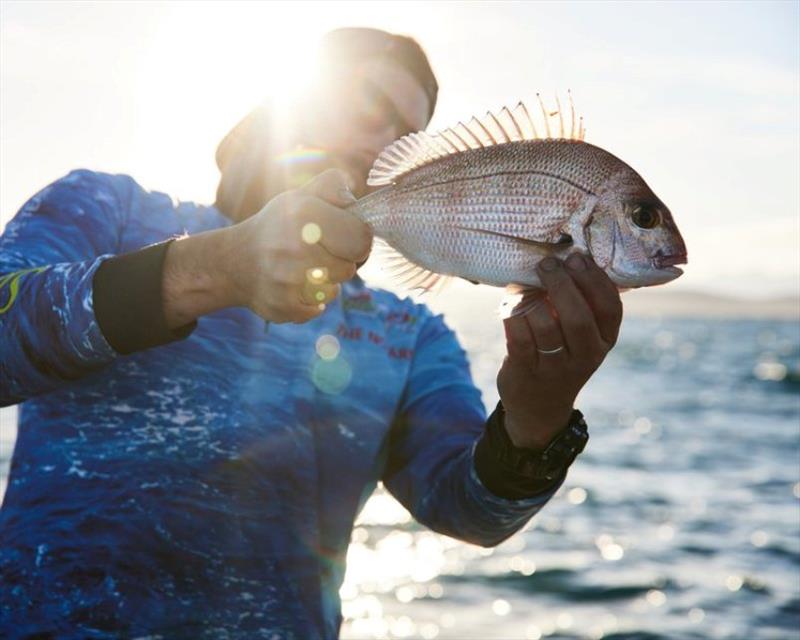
(207, 487)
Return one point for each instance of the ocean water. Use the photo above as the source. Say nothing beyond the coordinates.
(680, 520)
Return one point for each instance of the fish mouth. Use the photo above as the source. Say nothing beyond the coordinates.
(670, 273)
(667, 263)
(664, 266)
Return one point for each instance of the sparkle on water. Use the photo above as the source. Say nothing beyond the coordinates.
(656, 597)
(696, 615)
(522, 565)
(501, 607)
(564, 620)
(734, 583)
(665, 532)
(577, 495)
(533, 632)
(759, 538)
(770, 371)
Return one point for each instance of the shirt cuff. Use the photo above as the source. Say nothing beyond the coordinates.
(128, 304)
(496, 476)
(504, 505)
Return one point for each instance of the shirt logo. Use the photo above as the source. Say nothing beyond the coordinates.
(10, 282)
(359, 302)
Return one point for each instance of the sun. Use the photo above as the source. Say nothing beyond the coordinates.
(205, 66)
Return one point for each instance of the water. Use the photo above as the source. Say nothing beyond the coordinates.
(680, 520)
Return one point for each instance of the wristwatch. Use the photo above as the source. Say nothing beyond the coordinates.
(538, 465)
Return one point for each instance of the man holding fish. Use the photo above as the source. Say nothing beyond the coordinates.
(184, 470)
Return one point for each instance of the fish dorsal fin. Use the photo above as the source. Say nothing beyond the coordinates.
(506, 125)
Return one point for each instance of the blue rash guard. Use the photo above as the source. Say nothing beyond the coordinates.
(207, 488)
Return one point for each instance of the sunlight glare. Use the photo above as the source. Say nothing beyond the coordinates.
(268, 53)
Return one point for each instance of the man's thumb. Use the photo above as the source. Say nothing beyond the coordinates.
(332, 186)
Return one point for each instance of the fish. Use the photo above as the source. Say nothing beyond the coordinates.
(488, 200)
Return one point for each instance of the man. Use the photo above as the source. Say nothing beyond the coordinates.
(184, 469)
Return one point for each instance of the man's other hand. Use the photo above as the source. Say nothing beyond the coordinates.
(284, 263)
(555, 347)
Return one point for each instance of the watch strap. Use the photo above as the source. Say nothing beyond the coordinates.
(498, 471)
(516, 473)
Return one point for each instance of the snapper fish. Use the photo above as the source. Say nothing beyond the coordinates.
(486, 201)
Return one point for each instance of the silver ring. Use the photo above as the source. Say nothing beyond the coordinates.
(549, 352)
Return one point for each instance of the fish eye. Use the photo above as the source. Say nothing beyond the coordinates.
(645, 216)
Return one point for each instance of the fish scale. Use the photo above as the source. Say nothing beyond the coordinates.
(489, 212)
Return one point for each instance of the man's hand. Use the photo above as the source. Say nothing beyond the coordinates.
(579, 310)
(285, 262)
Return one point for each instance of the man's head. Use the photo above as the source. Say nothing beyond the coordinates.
(370, 88)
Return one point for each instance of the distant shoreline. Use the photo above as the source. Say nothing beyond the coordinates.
(461, 300)
(697, 304)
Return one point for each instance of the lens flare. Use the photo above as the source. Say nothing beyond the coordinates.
(317, 275)
(311, 233)
(327, 347)
(331, 376)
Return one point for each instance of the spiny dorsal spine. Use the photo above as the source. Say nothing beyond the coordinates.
(418, 149)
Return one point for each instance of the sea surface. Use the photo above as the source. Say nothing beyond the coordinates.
(680, 520)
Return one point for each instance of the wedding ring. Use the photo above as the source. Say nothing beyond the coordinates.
(549, 352)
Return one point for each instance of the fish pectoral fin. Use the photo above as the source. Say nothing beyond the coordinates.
(562, 243)
(408, 274)
(520, 299)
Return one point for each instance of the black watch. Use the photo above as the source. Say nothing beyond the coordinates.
(547, 464)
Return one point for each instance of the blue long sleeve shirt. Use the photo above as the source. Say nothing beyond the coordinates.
(207, 488)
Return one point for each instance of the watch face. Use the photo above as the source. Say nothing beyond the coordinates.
(559, 454)
(555, 468)
(540, 467)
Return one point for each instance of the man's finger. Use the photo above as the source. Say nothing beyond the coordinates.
(332, 186)
(600, 293)
(520, 344)
(577, 321)
(335, 271)
(328, 268)
(341, 233)
(547, 334)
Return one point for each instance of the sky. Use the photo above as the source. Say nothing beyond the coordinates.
(702, 99)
